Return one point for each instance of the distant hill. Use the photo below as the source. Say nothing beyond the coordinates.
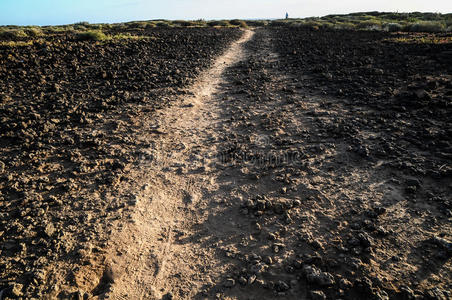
(374, 20)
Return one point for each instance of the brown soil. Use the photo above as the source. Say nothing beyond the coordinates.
(261, 181)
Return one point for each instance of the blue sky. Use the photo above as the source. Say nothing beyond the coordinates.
(52, 12)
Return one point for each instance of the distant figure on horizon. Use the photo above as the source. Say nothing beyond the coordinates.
(287, 15)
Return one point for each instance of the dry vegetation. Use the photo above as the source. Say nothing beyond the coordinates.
(392, 22)
(407, 22)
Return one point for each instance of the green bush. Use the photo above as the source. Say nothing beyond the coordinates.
(427, 27)
(93, 35)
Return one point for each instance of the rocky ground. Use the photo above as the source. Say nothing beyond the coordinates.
(302, 165)
(347, 137)
(69, 112)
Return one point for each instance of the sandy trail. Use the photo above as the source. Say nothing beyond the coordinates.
(158, 250)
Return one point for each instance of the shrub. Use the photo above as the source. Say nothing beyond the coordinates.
(393, 27)
(341, 19)
(312, 24)
(33, 31)
(239, 23)
(182, 23)
(127, 36)
(295, 24)
(307, 24)
(427, 27)
(118, 26)
(222, 23)
(83, 23)
(163, 24)
(369, 24)
(16, 43)
(13, 34)
(327, 25)
(449, 21)
(345, 25)
(257, 23)
(58, 29)
(199, 23)
(93, 35)
(20, 33)
(136, 25)
(95, 26)
(80, 28)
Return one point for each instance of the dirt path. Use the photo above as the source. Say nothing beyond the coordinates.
(158, 250)
(243, 194)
